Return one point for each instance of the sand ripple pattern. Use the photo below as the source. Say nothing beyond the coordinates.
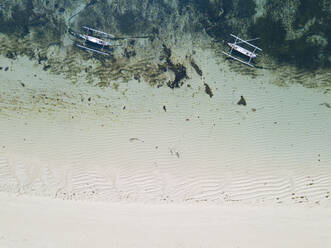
(169, 146)
(168, 182)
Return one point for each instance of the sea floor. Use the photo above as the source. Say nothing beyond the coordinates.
(192, 154)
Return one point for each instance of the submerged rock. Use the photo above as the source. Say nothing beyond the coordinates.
(208, 90)
(178, 69)
(196, 68)
(242, 101)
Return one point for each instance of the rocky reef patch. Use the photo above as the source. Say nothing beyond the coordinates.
(293, 33)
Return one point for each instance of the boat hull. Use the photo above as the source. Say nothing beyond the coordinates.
(242, 50)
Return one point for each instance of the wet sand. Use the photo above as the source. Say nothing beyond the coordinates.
(178, 156)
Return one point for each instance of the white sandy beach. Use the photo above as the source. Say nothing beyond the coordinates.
(41, 222)
(204, 173)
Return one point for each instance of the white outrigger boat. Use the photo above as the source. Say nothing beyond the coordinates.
(95, 44)
(250, 54)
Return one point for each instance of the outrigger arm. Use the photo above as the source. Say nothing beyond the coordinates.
(244, 41)
(92, 50)
(244, 62)
(250, 58)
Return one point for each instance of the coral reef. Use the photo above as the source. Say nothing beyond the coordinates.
(291, 31)
(295, 32)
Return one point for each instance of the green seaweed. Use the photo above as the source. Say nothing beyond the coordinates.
(130, 23)
(297, 51)
(307, 10)
(18, 24)
(272, 33)
(246, 8)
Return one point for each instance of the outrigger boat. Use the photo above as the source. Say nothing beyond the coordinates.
(94, 44)
(250, 54)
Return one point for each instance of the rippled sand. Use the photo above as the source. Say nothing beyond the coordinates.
(138, 144)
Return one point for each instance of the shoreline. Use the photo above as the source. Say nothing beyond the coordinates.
(165, 142)
(143, 143)
(166, 168)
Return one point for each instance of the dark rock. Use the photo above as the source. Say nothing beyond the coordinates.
(6, 68)
(180, 74)
(46, 67)
(178, 69)
(242, 101)
(10, 55)
(208, 90)
(136, 77)
(196, 67)
(41, 58)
